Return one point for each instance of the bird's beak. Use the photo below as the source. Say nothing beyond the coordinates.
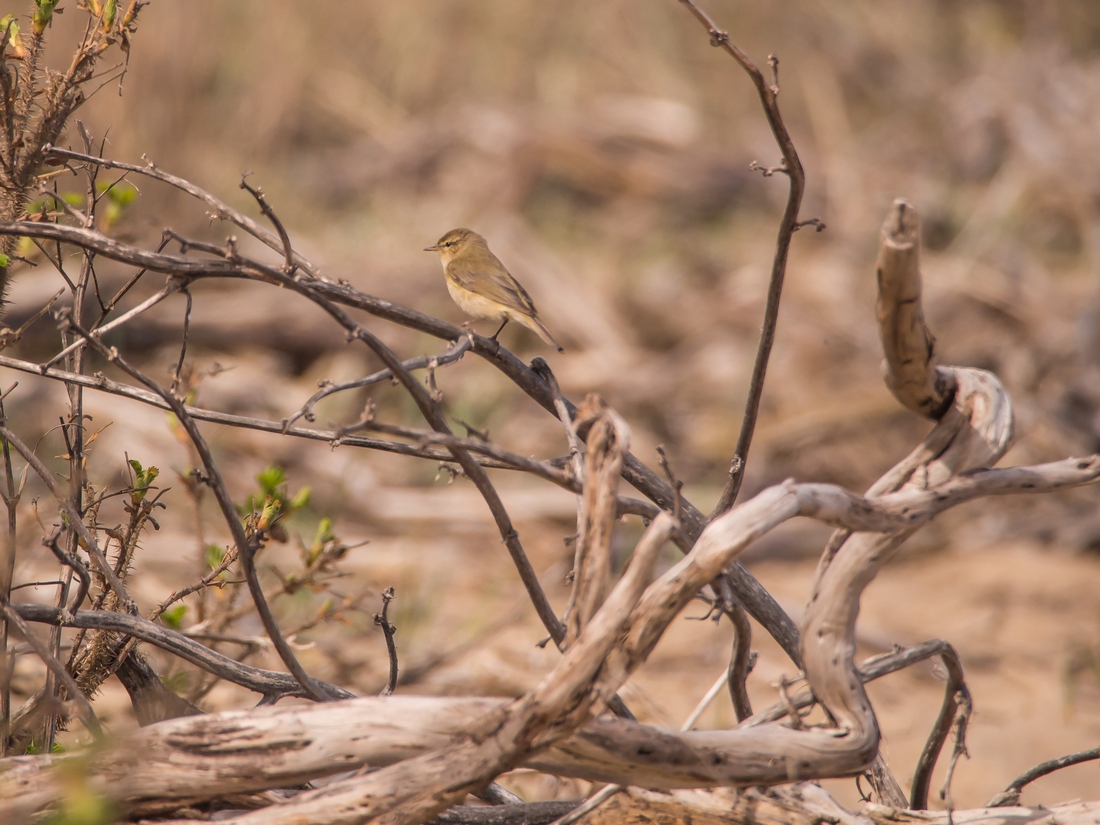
(432, 248)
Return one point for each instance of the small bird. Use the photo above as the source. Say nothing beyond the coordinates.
(482, 287)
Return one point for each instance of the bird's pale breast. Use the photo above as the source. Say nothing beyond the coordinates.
(475, 305)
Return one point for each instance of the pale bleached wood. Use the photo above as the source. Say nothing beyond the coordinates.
(911, 371)
(237, 751)
(415, 789)
(608, 442)
(807, 804)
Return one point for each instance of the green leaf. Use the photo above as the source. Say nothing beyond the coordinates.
(324, 532)
(270, 478)
(122, 192)
(14, 40)
(110, 9)
(4, 260)
(173, 617)
(300, 500)
(215, 555)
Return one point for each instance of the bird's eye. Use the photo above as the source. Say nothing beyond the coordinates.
(448, 243)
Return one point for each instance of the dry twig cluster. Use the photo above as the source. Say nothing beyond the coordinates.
(414, 758)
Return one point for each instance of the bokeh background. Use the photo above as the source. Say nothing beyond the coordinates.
(604, 150)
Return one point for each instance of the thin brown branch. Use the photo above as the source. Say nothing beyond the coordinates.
(73, 519)
(389, 631)
(245, 546)
(87, 715)
(271, 684)
(964, 708)
(221, 209)
(752, 594)
(788, 225)
(433, 362)
(742, 658)
(955, 693)
(269, 213)
(1010, 796)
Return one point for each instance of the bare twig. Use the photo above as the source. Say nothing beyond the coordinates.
(1011, 794)
(245, 546)
(959, 726)
(269, 213)
(175, 388)
(955, 693)
(89, 544)
(422, 362)
(792, 167)
(87, 715)
(388, 630)
(270, 683)
(742, 659)
(752, 594)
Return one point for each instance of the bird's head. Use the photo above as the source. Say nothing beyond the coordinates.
(456, 242)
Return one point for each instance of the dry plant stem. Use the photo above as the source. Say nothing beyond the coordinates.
(576, 454)
(388, 630)
(171, 287)
(7, 575)
(221, 210)
(74, 564)
(752, 594)
(75, 431)
(84, 707)
(607, 749)
(959, 726)
(245, 547)
(911, 372)
(90, 546)
(955, 693)
(1011, 794)
(460, 348)
(741, 658)
(411, 791)
(502, 459)
(269, 213)
(205, 581)
(270, 683)
(788, 225)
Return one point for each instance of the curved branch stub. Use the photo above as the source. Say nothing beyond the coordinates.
(911, 371)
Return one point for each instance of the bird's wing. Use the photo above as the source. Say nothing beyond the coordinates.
(491, 280)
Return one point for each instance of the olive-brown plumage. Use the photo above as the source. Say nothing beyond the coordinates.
(479, 283)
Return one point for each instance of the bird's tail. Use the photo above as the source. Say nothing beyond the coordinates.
(539, 328)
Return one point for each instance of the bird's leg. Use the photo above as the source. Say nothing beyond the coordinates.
(503, 324)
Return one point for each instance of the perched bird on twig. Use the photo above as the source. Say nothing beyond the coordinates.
(482, 287)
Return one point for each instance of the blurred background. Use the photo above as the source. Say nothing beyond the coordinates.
(604, 150)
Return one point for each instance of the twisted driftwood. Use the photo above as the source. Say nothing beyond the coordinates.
(438, 749)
